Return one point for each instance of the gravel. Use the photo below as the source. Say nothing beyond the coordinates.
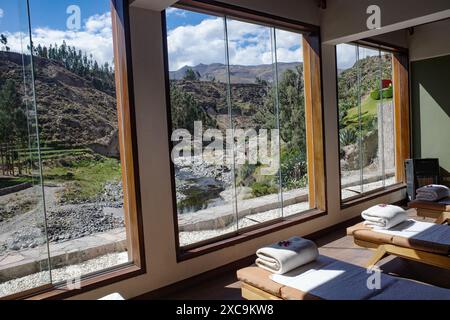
(74, 222)
(64, 221)
(63, 274)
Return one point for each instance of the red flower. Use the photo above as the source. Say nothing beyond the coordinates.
(284, 243)
(386, 83)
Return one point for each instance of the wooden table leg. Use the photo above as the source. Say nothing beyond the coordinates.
(379, 254)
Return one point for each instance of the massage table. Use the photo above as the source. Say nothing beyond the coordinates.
(420, 241)
(330, 279)
(439, 210)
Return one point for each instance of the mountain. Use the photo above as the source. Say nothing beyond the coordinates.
(238, 73)
(71, 112)
(369, 71)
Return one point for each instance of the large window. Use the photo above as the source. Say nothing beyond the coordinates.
(366, 120)
(62, 211)
(238, 124)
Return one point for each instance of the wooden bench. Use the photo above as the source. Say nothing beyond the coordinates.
(440, 210)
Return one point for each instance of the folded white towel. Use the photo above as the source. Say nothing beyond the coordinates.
(384, 216)
(432, 192)
(285, 256)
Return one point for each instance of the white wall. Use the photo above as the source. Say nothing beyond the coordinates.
(162, 268)
(430, 40)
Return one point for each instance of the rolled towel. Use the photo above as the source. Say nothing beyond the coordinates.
(285, 256)
(432, 192)
(384, 216)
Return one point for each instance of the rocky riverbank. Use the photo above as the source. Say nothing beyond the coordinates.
(23, 217)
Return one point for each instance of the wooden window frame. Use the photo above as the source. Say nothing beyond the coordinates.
(402, 131)
(313, 116)
(130, 173)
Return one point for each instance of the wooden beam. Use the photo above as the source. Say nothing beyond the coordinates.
(401, 114)
(314, 122)
(127, 134)
(382, 250)
(252, 293)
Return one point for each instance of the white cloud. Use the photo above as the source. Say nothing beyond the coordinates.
(176, 12)
(2, 13)
(94, 38)
(249, 44)
(347, 55)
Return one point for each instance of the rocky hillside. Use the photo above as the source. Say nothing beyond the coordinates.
(369, 70)
(71, 112)
(239, 74)
(212, 98)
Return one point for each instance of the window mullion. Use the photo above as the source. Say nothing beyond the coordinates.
(230, 118)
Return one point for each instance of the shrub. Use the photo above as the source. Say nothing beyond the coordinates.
(375, 94)
(260, 189)
(293, 168)
(347, 136)
(388, 93)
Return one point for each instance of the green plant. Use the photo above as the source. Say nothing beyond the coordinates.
(293, 168)
(388, 93)
(375, 94)
(246, 173)
(84, 179)
(348, 136)
(260, 189)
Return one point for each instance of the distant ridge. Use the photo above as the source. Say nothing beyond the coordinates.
(239, 73)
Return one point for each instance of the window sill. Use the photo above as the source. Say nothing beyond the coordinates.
(373, 195)
(87, 284)
(249, 234)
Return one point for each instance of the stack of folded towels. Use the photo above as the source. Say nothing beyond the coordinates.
(384, 216)
(432, 192)
(285, 256)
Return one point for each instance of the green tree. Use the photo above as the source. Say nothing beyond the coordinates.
(4, 42)
(191, 75)
(291, 109)
(292, 125)
(185, 110)
(13, 123)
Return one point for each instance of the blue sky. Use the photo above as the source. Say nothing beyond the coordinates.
(177, 18)
(195, 38)
(49, 25)
(47, 13)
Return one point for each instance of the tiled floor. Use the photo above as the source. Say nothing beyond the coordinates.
(336, 245)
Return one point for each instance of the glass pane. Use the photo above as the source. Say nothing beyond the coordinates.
(292, 124)
(201, 116)
(77, 116)
(371, 112)
(254, 100)
(349, 120)
(388, 120)
(23, 241)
